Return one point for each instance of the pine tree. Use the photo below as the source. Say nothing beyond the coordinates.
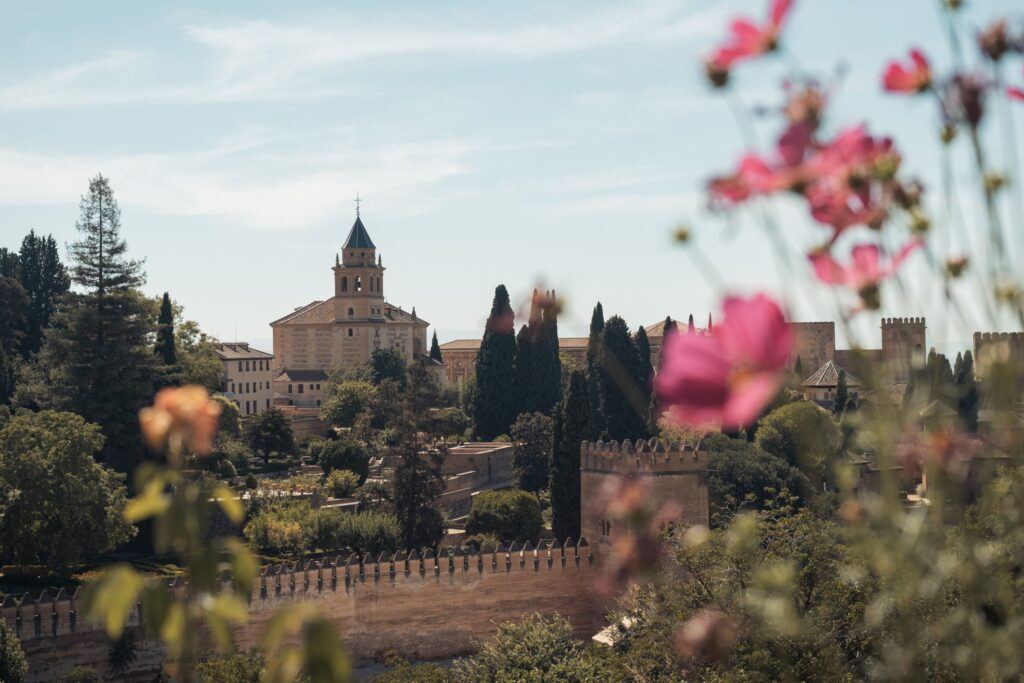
(165, 350)
(8, 375)
(494, 407)
(45, 279)
(622, 402)
(594, 342)
(97, 356)
(967, 393)
(571, 429)
(644, 371)
(8, 263)
(435, 349)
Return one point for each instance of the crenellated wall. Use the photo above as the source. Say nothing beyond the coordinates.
(814, 343)
(422, 605)
(673, 473)
(903, 339)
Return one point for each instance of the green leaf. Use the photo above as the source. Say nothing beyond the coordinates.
(223, 611)
(243, 565)
(152, 502)
(324, 655)
(111, 596)
(229, 503)
(172, 632)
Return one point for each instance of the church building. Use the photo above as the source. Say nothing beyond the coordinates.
(344, 330)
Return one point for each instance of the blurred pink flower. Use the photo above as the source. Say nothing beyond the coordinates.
(866, 268)
(727, 377)
(855, 156)
(844, 208)
(747, 39)
(909, 77)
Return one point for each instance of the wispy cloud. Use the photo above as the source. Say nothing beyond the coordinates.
(261, 59)
(237, 182)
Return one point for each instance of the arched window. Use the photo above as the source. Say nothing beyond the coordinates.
(344, 283)
(351, 312)
(359, 284)
(350, 331)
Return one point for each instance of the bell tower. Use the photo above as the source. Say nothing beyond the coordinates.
(358, 277)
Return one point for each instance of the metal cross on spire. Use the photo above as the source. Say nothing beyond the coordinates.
(357, 205)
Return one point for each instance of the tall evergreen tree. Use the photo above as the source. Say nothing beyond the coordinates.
(8, 263)
(546, 361)
(671, 328)
(494, 407)
(525, 378)
(644, 371)
(842, 394)
(96, 356)
(417, 483)
(690, 327)
(13, 308)
(594, 343)
(967, 393)
(623, 404)
(435, 349)
(45, 279)
(165, 333)
(571, 429)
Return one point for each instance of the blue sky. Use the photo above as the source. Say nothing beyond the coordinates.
(520, 143)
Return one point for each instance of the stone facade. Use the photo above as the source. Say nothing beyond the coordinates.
(248, 373)
(346, 329)
(1000, 347)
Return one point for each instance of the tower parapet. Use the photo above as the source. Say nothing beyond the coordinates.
(992, 347)
(903, 342)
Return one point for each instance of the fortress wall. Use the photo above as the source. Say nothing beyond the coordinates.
(424, 607)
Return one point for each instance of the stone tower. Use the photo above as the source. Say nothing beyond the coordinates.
(903, 341)
(672, 472)
(358, 278)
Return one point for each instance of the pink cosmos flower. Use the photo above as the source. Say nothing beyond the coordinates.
(854, 155)
(910, 77)
(747, 39)
(842, 208)
(1015, 93)
(726, 377)
(866, 268)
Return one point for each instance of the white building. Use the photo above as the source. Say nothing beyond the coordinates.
(248, 373)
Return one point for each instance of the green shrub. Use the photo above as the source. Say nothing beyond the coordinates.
(227, 470)
(511, 515)
(282, 527)
(346, 455)
(342, 483)
(360, 532)
(250, 481)
(237, 667)
(81, 674)
(502, 438)
(13, 664)
(294, 528)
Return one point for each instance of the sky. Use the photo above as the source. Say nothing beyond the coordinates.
(528, 143)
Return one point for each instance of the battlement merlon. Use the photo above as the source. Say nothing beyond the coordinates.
(652, 457)
(891, 322)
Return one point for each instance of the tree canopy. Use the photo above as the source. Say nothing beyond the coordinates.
(57, 504)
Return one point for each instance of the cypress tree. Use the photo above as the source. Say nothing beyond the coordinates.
(8, 263)
(967, 393)
(8, 375)
(494, 407)
(623, 405)
(45, 279)
(594, 391)
(525, 380)
(842, 394)
(690, 327)
(671, 328)
(572, 427)
(165, 350)
(435, 349)
(97, 356)
(644, 371)
(545, 359)
(798, 368)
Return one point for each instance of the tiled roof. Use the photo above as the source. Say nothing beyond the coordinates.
(658, 328)
(290, 375)
(828, 376)
(358, 238)
(239, 351)
(298, 311)
(461, 345)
